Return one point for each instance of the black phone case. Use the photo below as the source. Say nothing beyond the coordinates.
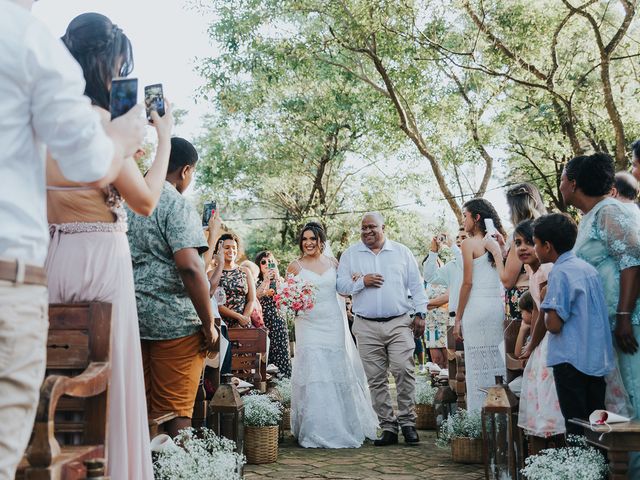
(123, 97)
(206, 213)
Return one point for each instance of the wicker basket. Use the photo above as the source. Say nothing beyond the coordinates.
(286, 418)
(425, 417)
(466, 450)
(261, 444)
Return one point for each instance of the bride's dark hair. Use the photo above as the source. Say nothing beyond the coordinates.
(317, 230)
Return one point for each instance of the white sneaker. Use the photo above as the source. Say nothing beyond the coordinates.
(422, 369)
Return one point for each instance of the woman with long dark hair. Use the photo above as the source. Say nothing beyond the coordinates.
(89, 258)
(267, 284)
(525, 203)
(480, 313)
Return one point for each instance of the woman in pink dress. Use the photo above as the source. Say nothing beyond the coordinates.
(89, 257)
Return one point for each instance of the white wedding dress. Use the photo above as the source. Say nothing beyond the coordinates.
(482, 330)
(330, 401)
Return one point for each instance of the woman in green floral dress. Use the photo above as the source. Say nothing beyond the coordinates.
(609, 239)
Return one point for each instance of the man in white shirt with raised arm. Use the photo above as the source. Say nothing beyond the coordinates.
(380, 274)
(450, 274)
(41, 106)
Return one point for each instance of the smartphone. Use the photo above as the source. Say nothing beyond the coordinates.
(208, 210)
(271, 266)
(489, 226)
(154, 99)
(124, 96)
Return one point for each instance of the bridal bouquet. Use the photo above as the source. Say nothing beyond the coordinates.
(295, 295)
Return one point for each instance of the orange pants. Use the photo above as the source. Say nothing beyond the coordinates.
(172, 370)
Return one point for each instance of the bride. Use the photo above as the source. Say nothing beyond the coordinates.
(330, 401)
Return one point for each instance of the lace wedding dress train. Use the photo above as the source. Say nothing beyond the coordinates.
(330, 401)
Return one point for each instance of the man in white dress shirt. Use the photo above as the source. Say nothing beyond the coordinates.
(41, 104)
(380, 274)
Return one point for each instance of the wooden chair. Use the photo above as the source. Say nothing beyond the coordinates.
(515, 366)
(457, 380)
(73, 397)
(249, 353)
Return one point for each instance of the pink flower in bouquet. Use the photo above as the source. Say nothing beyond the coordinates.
(295, 295)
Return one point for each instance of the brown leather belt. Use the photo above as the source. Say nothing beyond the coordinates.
(32, 275)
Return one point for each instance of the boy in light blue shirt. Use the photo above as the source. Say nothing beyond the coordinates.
(575, 312)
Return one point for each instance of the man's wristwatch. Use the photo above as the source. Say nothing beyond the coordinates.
(421, 315)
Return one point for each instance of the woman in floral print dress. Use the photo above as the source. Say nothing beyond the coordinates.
(275, 323)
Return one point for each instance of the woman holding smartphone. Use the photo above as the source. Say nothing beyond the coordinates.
(89, 258)
(268, 281)
(480, 312)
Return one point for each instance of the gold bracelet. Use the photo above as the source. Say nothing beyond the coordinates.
(624, 313)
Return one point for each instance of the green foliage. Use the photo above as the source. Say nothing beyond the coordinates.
(334, 106)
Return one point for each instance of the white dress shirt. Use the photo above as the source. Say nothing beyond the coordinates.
(41, 103)
(397, 265)
(449, 275)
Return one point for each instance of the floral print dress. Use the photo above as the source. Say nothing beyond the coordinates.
(539, 413)
(236, 289)
(278, 335)
(437, 320)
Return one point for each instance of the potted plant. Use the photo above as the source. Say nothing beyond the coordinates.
(462, 431)
(201, 455)
(576, 461)
(261, 418)
(425, 410)
(283, 387)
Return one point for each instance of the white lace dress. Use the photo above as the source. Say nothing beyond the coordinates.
(330, 401)
(482, 332)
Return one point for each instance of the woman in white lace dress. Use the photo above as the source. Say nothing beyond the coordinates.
(480, 313)
(330, 401)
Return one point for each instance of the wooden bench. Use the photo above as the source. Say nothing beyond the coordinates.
(73, 397)
(249, 355)
(618, 439)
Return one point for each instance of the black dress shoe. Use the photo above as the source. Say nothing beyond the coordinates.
(410, 434)
(387, 438)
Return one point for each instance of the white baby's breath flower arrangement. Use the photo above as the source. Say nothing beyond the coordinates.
(283, 386)
(425, 393)
(461, 424)
(261, 411)
(201, 456)
(577, 461)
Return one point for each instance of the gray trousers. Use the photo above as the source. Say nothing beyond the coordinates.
(385, 346)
